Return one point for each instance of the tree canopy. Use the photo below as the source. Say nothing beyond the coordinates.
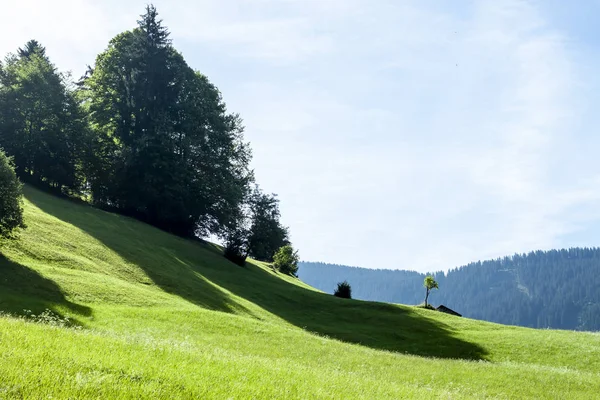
(429, 283)
(142, 134)
(286, 260)
(266, 234)
(41, 124)
(169, 151)
(11, 210)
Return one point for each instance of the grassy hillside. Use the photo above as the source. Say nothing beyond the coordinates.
(156, 316)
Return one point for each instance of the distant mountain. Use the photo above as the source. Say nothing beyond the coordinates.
(543, 289)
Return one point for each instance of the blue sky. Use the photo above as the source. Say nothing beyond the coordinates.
(398, 134)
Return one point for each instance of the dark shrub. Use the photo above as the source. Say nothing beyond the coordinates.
(236, 242)
(343, 290)
(235, 255)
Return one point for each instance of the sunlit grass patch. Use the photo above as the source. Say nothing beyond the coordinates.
(165, 317)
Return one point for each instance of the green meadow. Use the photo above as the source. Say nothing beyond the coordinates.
(138, 313)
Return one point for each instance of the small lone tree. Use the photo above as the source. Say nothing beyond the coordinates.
(429, 284)
(343, 290)
(286, 260)
(11, 210)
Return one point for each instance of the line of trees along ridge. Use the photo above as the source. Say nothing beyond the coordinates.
(142, 134)
(541, 289)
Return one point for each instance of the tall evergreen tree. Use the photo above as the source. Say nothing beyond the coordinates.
(166, 150)
(33, 47)
(267, 234)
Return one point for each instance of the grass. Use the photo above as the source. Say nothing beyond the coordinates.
(158, 316)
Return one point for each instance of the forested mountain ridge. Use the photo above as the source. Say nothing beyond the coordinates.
(541, 289)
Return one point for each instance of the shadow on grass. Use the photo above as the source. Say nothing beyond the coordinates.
(22, 288)
(201, 275)
(160, 255)
(377, 325)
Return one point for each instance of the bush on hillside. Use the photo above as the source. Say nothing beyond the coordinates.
(286, 260)
(236, 244)
(343, 290)
(235, 254)
(11, 209)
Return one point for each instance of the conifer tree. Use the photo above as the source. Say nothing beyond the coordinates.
(267, 234)
(166, 150)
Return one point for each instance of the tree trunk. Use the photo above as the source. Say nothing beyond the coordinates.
(426, 297)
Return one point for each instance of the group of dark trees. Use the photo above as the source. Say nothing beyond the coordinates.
(142, 134)
(542, 289)
(41, 122)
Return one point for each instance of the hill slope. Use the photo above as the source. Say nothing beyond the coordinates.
(542, 289)
(164, 317)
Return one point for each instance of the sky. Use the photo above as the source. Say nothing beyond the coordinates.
(417, 135)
